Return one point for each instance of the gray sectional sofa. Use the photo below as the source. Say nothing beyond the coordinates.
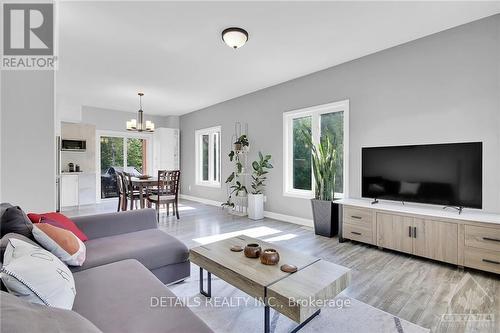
(129, 261)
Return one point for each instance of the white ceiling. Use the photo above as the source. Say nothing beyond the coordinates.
(108, 51)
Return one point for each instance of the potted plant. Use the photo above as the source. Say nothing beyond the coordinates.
(241, 143)
(324, 161)
(256, 197)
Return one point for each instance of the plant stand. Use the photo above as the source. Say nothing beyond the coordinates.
(240, 157)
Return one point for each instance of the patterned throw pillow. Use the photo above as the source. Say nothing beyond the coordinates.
(59, 220)
(62, 243)
(37, 276)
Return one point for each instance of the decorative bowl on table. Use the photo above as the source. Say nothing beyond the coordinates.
(252, 250)
(143, 177)
(269, 257)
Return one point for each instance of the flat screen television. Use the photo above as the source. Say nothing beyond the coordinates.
(441, 174)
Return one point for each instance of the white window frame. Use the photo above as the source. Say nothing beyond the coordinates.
(212, 133)
(315, 112)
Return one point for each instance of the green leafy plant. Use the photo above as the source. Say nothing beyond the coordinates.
(241, 142)
(238, 188)
(230, 178)
(228, 203)
(259, 173)
(324, 162)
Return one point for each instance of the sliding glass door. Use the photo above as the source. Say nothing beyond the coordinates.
(120, 153)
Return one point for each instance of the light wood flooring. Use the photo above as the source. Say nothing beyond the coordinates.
(434, 295)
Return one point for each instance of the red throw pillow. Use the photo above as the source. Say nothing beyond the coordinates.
(60, 220)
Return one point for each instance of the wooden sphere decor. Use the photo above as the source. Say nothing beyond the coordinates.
(252, 250)
(269, 257)
(236, 248)
(287, 268)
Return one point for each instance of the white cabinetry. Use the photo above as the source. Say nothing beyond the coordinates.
(69, 190)
(86, 187)
(165, 149)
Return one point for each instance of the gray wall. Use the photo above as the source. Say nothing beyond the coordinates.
(28, 140)
(441, 88)
(114, 120)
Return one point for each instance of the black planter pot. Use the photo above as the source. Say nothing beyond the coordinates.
(326, 217)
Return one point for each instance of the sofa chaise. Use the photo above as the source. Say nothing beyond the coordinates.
(129, 261)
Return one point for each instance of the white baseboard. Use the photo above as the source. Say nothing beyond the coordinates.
(271, 215)
(289, 218)
(201, 200)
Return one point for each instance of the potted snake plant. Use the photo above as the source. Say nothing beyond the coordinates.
(256, 197)
(324, 162)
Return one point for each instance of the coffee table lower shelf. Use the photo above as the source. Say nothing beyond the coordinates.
(267, 309)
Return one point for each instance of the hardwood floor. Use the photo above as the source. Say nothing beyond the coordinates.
(431, 294)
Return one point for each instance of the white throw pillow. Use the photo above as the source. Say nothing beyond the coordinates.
(36, 275)
(76, 259)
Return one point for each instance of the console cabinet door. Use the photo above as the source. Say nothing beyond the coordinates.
(393, 232)
(436, 240)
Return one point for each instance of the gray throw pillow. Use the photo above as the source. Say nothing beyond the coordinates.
(19, 316)
(13, 219)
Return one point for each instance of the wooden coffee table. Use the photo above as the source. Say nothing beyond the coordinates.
(294, 295)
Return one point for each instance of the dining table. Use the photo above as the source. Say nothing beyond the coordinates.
(141, 184)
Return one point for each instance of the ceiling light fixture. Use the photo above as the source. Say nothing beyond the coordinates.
(138, 124)
(235, 37)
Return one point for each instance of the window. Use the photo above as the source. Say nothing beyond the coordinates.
(329, 120)
(208, 156)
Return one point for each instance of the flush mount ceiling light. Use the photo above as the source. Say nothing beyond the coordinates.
(139, 125)
(235, 37)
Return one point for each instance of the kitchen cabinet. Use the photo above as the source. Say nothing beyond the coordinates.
(69, 190)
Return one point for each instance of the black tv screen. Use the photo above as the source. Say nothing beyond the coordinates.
(440, 174)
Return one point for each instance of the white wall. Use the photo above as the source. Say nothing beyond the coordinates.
(28, 140)
(441, 88)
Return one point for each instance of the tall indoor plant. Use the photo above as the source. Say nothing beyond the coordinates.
(256, 197)
(324, 164)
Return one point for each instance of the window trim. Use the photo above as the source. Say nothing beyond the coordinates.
(198, 134)
(315, 112)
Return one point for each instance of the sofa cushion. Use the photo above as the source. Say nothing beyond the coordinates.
(14, 220)
(5, 241)
(117, 298)
(152, 247)
(19, 316)
(60, 242)
(59, 220)
(37, 276)
(3, 245)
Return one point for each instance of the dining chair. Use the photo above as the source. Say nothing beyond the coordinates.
(167, 192)
(122, 199)
(130, 193)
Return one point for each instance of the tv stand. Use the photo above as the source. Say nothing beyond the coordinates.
(458, 208)
(471, 239)
(375, 201)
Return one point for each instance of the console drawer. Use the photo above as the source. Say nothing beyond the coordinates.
(357, 233)
(482, 237)
(485, 260)
(358, 216)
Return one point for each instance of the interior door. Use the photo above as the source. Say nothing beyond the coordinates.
(395, 232)
(436, 240)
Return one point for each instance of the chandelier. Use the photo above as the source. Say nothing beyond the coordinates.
(138, 125)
